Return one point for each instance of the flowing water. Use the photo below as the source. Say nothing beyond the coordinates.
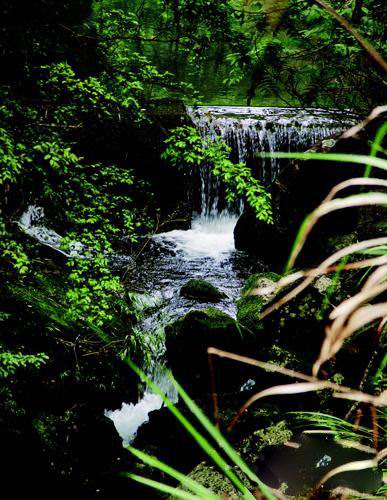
(252, 131)
(32, 223)
(206, 250)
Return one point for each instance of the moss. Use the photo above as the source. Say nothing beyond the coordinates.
(203, 323)
(263, 281)
(275, 435)
(212, 318)
(212, 479)
(198, 289)
(249, 312)
(259, 289)
(286, 359)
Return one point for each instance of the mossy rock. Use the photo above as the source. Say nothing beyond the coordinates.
(188, 338)
(274, 435)
(211, 478)
(209, 323)
(299, 324)
(260, 284)
(258, 291)
(201, 290)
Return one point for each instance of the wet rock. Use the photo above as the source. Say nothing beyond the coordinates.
(300, 188)
(259, 289)
(188, 338)
(298, 324)
(202, 291)
(164, 437)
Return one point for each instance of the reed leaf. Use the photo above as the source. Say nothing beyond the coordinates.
(326, 208)
(164, 488)
(186, 481)
(221, 440)
(199, 438)
(352, 466)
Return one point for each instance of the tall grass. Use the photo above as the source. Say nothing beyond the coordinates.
(356, 312)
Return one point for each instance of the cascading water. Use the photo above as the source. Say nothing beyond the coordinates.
(32, 222)
(206, 250)
(251, 131)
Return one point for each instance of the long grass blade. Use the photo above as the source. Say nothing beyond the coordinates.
(326, 208)
(164, 488)
(199, 438)
(321, 269)
(341, 390)
(186, 481)
(352, 466)
(335, 157)
(221, 440)
(344, 326)
(376, 145)
(353, 131)
(356, 181)
(279, 390)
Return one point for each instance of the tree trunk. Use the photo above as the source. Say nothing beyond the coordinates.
(357, 12)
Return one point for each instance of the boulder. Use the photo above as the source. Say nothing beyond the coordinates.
(187, 340)
(202, 291)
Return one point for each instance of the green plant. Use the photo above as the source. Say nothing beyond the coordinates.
(186, 147)
(11, 362)
(340, 428)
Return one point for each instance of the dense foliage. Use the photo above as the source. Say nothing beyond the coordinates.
(291, 53)
(82, 137)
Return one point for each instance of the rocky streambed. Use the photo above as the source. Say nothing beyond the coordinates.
(203, 292)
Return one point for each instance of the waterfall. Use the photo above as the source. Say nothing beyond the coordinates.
(251, 131)
(204, 250)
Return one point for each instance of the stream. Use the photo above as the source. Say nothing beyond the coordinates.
(206, 250)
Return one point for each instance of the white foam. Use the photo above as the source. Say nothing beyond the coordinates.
(130, 417)
(208, 237)
(30, 223)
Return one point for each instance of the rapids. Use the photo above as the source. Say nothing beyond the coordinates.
(206, 250)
